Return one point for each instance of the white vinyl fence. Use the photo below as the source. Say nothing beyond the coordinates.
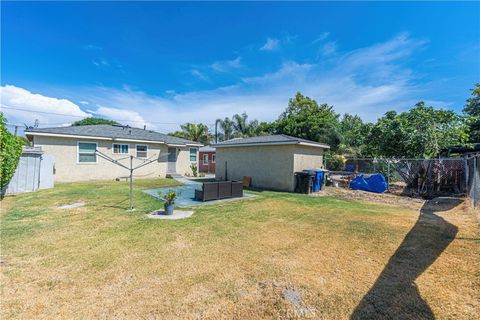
(34, 171)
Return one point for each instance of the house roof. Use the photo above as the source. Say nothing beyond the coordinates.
(110, 132)
(207, 149)
(278, 139)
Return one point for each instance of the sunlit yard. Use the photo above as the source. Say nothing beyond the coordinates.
(232, 260)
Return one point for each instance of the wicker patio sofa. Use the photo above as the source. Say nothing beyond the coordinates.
(219, 190)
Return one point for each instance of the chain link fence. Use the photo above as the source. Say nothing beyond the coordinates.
(426, 178)
(473, 179)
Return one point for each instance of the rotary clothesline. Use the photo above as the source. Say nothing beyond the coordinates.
(131, 168)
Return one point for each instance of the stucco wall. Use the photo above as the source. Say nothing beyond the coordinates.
(271, 167)
(308, 158)
(68, 170)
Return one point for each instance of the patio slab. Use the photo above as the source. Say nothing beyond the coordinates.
(177, 215)
(186, 195)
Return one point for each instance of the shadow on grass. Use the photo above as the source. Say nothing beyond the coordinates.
(395, 294)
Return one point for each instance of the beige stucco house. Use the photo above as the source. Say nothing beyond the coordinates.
(271, 161)
(76, 160)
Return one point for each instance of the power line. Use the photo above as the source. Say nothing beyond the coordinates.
(82, 117)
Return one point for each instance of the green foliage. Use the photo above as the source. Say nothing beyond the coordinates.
(195, 132)
(169, 197)
(227, 129)
(354, 133)
(420, 132)
(304, 118)
(472, 112)
(240, 127)
(93, 121)
(10, 152)
(334, 162)
(194, 168)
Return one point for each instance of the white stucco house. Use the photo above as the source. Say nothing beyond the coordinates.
(73, 149)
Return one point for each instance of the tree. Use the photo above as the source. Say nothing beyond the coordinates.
(93, 121)
(304, 118)
(244, 128)
(420, 132)
(195, 132)
(354, 133)
(10, 151)
(472, 112)
(227, 128)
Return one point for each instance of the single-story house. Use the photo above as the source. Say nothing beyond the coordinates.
(270, 161)
(75, 159)
(206, 162)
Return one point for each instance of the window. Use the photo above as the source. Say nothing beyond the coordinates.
(213, 158)
(120, 148)
(142, 151)
(193, 154)
(86, 152)
(205, 159)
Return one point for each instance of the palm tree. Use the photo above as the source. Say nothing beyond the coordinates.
(227, 127)
(194, 132)
(244, 128)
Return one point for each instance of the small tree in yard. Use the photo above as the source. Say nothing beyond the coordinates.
(10, 151)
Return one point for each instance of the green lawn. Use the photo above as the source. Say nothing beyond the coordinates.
(232, 259)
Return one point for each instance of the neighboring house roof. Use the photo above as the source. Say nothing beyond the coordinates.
(207, 149)
(111, 132)
(278, 139)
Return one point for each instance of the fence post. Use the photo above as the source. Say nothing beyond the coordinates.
(466, 173)
(388, 175)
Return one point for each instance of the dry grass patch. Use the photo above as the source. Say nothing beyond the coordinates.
(229, 260)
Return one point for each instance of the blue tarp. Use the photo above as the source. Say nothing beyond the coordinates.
(374, 183)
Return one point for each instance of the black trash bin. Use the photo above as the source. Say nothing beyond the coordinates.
(304, 182)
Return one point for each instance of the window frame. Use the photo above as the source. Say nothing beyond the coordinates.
(136, 151)
(120, 144)
(205, 156)
(213, 157)
(190, 154)
(78, 152)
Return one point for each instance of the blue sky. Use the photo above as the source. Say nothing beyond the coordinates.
(162, 64)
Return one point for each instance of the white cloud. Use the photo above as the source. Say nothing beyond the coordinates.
(321, 37)
(271, 44)
(22, 106)
(100, 62)
(123, 116)
(198, 74)
(228, 65)
(329, 48)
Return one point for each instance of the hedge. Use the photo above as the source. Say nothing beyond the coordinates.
(10, 152)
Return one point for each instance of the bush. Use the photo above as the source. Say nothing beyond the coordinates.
(194, 168)
(10, 152)
(334, 162)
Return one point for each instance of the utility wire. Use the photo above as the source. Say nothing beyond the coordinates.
(82, 117)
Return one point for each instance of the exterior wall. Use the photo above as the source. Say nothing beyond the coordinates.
(271, 167)
(183, 160)
(308, 158)
(206, 168)
(67, 169)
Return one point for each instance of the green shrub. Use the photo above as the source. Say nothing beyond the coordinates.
(194, 168)
(10, 151)
(334, 162)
